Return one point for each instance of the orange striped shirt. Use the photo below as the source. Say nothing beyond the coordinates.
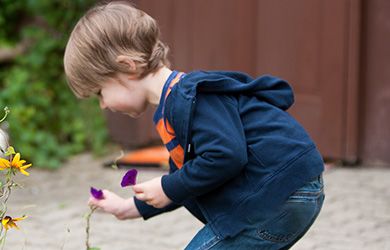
(163, 126)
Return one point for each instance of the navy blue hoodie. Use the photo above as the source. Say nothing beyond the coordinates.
(245, 155)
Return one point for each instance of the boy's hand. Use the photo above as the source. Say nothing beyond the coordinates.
(152, 193)
(111, 203)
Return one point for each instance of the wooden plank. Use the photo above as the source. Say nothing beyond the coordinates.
(223, 35)
(352, 81)
(304, 42)
(375, 94)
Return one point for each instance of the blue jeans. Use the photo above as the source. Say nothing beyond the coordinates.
(281, 232)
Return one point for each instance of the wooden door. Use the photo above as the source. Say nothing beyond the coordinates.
(312, 44)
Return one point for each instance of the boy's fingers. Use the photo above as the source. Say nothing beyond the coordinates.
(150, 203)
(140, 196)
(138, 189)
(106, 192)
(96, 202)
(93, 202)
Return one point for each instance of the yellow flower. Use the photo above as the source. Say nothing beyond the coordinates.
(8, 222)
(16, 163)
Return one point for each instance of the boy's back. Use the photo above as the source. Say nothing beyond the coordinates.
(251, 149)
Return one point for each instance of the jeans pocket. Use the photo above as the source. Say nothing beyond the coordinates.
(296, 215)
(276, 230)
(205, 239)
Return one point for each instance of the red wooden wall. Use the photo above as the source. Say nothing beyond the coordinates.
(313, 44)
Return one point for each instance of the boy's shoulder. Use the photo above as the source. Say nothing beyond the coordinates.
(211, 81)
(202, 76)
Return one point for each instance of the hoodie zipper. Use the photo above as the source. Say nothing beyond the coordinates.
(188, 143)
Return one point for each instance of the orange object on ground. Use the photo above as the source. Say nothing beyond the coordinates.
(149, 157)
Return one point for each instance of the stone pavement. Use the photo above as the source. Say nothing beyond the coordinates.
(356, 212)
(355, 215)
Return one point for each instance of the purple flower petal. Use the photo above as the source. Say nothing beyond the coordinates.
(97, 193)
(129, 178)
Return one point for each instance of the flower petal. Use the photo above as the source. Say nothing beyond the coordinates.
(19, 218)
(24, 172)
(13, 225)
(4, 163)
(5, 220)
(129, 179)
(15, 160)
(97, 193)
(26, 166)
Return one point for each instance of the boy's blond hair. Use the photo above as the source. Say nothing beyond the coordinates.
(101, 35)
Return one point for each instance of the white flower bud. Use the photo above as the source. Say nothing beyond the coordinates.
(3, 142)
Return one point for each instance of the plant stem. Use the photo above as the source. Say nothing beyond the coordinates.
(3, 240)
(6, 112)
(88, 217)
(4, 198)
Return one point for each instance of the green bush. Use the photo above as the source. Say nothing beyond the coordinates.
(47, 123)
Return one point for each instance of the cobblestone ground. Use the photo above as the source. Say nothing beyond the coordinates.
(356, 212)
(355, 215)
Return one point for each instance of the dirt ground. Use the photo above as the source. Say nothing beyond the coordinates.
(56, 202)
(355, 213)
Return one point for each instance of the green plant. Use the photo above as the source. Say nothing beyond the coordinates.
(48, 123)
(10, 164)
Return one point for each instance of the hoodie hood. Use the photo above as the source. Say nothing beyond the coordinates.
(270, 89)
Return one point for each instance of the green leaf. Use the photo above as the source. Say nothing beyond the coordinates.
(10, 151)
(47, 123)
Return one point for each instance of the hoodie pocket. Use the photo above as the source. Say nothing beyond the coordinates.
(270, 156)
(277, 152)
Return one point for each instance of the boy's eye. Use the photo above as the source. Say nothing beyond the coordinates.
(99, 93)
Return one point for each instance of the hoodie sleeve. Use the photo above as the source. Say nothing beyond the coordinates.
(148, 211)
(219, 146)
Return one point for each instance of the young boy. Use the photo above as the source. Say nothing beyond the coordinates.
(238, 161)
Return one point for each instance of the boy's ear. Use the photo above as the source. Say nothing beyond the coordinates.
(127, 61)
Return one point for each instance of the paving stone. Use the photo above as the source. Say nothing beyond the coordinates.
(355, 215)
(356, 212)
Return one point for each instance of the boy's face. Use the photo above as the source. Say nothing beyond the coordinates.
(123, 94)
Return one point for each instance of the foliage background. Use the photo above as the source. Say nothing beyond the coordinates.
(47, 123)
